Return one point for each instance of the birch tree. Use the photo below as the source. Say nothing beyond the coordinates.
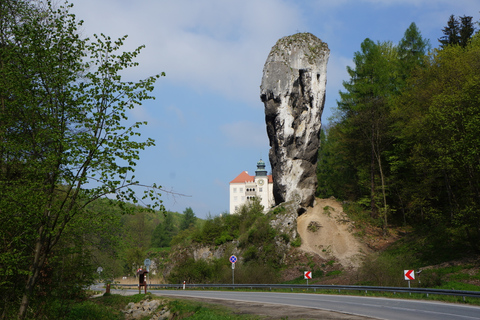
(63, 125)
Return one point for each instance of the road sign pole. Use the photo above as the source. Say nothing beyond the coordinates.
(233, 259)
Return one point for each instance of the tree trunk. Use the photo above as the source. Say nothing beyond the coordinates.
(373, 207)
(37, 265)
(385, 207)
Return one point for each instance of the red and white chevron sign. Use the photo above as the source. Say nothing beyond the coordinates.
(307, 275)
(409, 274)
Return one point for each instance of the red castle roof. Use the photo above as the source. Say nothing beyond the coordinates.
(245, 177)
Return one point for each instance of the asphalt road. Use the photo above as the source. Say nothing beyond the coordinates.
(381, 308)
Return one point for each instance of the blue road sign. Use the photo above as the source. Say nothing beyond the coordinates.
(233, 259)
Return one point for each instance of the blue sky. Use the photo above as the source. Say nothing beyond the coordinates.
(207, 119)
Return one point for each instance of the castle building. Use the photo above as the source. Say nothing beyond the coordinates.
(246, 187)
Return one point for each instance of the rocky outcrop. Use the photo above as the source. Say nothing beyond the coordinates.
(153, 309)
(216, 252)
(293, 92)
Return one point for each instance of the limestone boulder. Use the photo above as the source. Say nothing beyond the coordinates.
(293, 92)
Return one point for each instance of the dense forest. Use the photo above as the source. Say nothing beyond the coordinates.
(403, 147)
(404, 142)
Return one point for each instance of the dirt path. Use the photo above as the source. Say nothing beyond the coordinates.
(326, 230)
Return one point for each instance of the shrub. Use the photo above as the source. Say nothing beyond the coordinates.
(285, 237)
(313, 226)
(279, 210)
(317, 274)
(200, 271)
(385, 269)
(255, 272)
(334, 273)
(297, 242)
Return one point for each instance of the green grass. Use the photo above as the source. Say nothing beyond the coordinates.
(455, 285)
(334, 273)
(202, 311)
(89, 310)
(109, 308)
(118, 302)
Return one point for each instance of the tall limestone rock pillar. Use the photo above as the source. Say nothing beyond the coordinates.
(293, 91)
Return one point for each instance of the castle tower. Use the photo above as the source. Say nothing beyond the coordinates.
(246, 187)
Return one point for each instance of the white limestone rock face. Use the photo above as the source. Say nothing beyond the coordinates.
(293, 92)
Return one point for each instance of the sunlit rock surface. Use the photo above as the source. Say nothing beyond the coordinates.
(293, 91)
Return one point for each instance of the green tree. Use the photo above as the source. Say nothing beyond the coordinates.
(457, 32)
(336, 174)
(365, 116)
(466, 30)
(442, 129)
(412, 51)
(164, 232)
(63, 111)
(360, 158)
(188, 219)
(450, 32)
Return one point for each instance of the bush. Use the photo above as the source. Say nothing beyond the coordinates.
(279, 210)
(317, 274)
(255, 272)
(285, 237)
(385, 270)
(297, 242)
(200, 271)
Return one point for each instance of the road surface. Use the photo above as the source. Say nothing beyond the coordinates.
(372, 307)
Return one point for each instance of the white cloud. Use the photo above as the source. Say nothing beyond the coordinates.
(211, 44)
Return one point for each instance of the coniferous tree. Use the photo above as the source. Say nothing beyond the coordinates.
(164, 233)
(412, 50)
(457, 32)
(366, 116)
(451, 33)
(188, 219)
(466, 30)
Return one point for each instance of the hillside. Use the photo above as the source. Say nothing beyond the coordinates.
(339, 245)
(327, 231)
